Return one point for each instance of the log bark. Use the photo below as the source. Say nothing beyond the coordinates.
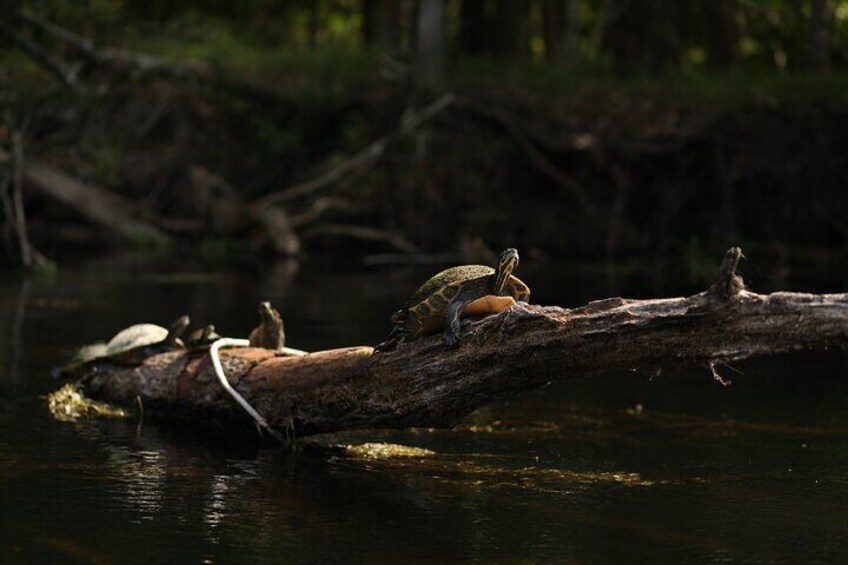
(427, 384)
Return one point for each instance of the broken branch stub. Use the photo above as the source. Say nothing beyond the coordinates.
(729, 283)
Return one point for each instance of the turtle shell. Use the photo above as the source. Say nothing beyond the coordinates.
(453, 277)
(138, 335)
(130, 346)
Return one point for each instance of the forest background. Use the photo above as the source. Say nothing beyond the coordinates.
(402, 131)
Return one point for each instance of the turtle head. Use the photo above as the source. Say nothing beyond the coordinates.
(177, 328)
(268, 315)
(506, 264)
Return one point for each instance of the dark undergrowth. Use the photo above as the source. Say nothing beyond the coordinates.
(565, 161)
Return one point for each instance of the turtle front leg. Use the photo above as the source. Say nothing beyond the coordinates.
(452, 320)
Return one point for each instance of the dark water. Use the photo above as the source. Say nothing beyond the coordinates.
(618, 469)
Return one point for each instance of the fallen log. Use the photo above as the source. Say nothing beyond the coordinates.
(107, 210)
(427, 384)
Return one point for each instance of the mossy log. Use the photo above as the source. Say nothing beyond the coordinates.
(424, 383)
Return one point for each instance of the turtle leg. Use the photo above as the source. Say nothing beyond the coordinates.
(452, 321)
(396, 335)
(389, 344)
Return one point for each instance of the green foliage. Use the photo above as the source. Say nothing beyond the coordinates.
(46, 269)
(140, 241)
(330, 89)
(696, 87)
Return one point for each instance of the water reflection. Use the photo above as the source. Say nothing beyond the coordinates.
(142, 474)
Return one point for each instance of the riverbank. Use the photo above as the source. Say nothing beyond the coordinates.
(563, 161)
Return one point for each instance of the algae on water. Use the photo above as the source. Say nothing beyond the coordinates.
(69, 404)
(385, 451)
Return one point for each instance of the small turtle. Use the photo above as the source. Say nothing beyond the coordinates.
(270, 333)
(441, 301)
(202, 337)
(130, 347)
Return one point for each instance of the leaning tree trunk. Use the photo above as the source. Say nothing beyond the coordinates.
(524, 347)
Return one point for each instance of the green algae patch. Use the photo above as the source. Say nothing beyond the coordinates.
(385, 451)
(69, 404)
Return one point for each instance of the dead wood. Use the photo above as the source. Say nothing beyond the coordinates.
(67, 76)
(119, 59)
(427, 384)
(136, 64)
(321, 207)
(98, 206)
(537, 158)
(11, 193)
(367, 157)
(278, 230)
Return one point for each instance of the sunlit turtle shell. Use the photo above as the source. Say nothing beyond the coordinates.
(135, 336)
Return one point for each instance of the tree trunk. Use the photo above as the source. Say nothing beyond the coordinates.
(722, 32)
(571, 31)
(473, 28)
(313, 24)
(553, 20)
(510, 40)
(642, 35)
(427, 384)
(381, 23)
(559, 18)
(818, 56)
(430, 51)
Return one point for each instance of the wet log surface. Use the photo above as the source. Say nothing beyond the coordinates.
(427, 384)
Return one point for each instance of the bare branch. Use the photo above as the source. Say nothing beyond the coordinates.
(367, 157)
(67, 76)
(119, 59)
(319, 208)
(536, 157)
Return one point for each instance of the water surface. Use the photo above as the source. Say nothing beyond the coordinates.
(616, 469)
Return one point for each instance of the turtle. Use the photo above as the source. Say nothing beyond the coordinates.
(129, 347)
(440, 301)
(270, 333)
(202, 337)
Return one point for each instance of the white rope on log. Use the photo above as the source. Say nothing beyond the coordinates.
(260, 420)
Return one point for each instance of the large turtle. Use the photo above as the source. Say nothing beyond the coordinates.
(441, 301)
(130, 347)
